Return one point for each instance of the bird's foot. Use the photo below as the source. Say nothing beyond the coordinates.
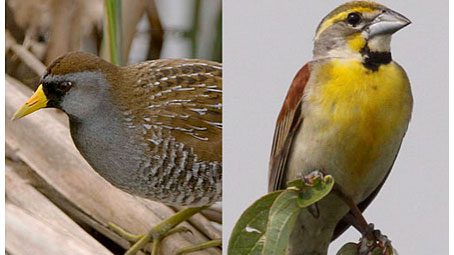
(312, 178)
(201, 246)
(157, 233)
(133, 238)
(379, 244)
(123, 233)
(374, 242)
(311, 188)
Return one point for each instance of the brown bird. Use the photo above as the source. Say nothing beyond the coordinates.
(152, 129)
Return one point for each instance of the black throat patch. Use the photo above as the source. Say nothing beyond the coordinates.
(373, 59)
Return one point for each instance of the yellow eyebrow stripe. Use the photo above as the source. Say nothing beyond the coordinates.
(341, 16)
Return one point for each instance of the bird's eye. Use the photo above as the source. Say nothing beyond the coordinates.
(64, 86)
(354, 18)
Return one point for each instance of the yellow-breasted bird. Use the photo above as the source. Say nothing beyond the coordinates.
(346, 113)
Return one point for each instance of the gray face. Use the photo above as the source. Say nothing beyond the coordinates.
(354, 23)
(338, 37)
(78, 94)
(334, 38)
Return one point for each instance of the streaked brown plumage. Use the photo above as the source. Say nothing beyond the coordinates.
(153, 129)
(287, 124)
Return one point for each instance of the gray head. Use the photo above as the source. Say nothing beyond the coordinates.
(76, 83)
(77, 94)
(355, 27)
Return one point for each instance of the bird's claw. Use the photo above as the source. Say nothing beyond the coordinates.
(178, 230)
(124, 234)
(311, 178)
(201, 246)
(158, 232)
(378, 242)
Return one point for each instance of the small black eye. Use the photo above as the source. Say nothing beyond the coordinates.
(63, 86)
(354, 18)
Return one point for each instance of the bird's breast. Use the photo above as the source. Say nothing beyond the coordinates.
(354, 121)
(160, 169)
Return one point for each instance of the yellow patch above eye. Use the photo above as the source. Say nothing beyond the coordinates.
(339, 17)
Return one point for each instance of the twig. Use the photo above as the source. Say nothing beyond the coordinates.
(27, 58)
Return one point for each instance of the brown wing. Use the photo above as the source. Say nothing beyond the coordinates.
(288, 122)
(343, 224)
(184, 98)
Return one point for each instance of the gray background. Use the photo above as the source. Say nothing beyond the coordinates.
(267, 41)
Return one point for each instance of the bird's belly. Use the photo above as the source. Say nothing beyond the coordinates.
(133, 168)
(358, 165)
(352, 131)
(356, 141)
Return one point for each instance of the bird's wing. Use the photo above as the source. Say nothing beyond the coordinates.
(343, 224)
(289, 120)
(182, 97)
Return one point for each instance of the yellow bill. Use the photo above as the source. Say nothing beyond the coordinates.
(37, 101)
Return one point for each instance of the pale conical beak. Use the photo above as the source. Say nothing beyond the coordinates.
(37, 101)
(387, 22)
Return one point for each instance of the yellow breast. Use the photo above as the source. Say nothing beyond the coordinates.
(365, 110)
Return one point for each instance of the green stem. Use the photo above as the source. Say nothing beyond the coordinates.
(113, 11)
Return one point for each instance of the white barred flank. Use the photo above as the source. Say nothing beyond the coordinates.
(184, 99)
(175, 176)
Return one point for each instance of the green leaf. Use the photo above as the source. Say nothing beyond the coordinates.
(311, 194)
(381, 251)
(283, 215)
(348, 249)
(265, 227)
(375, 249)
(248, 233)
